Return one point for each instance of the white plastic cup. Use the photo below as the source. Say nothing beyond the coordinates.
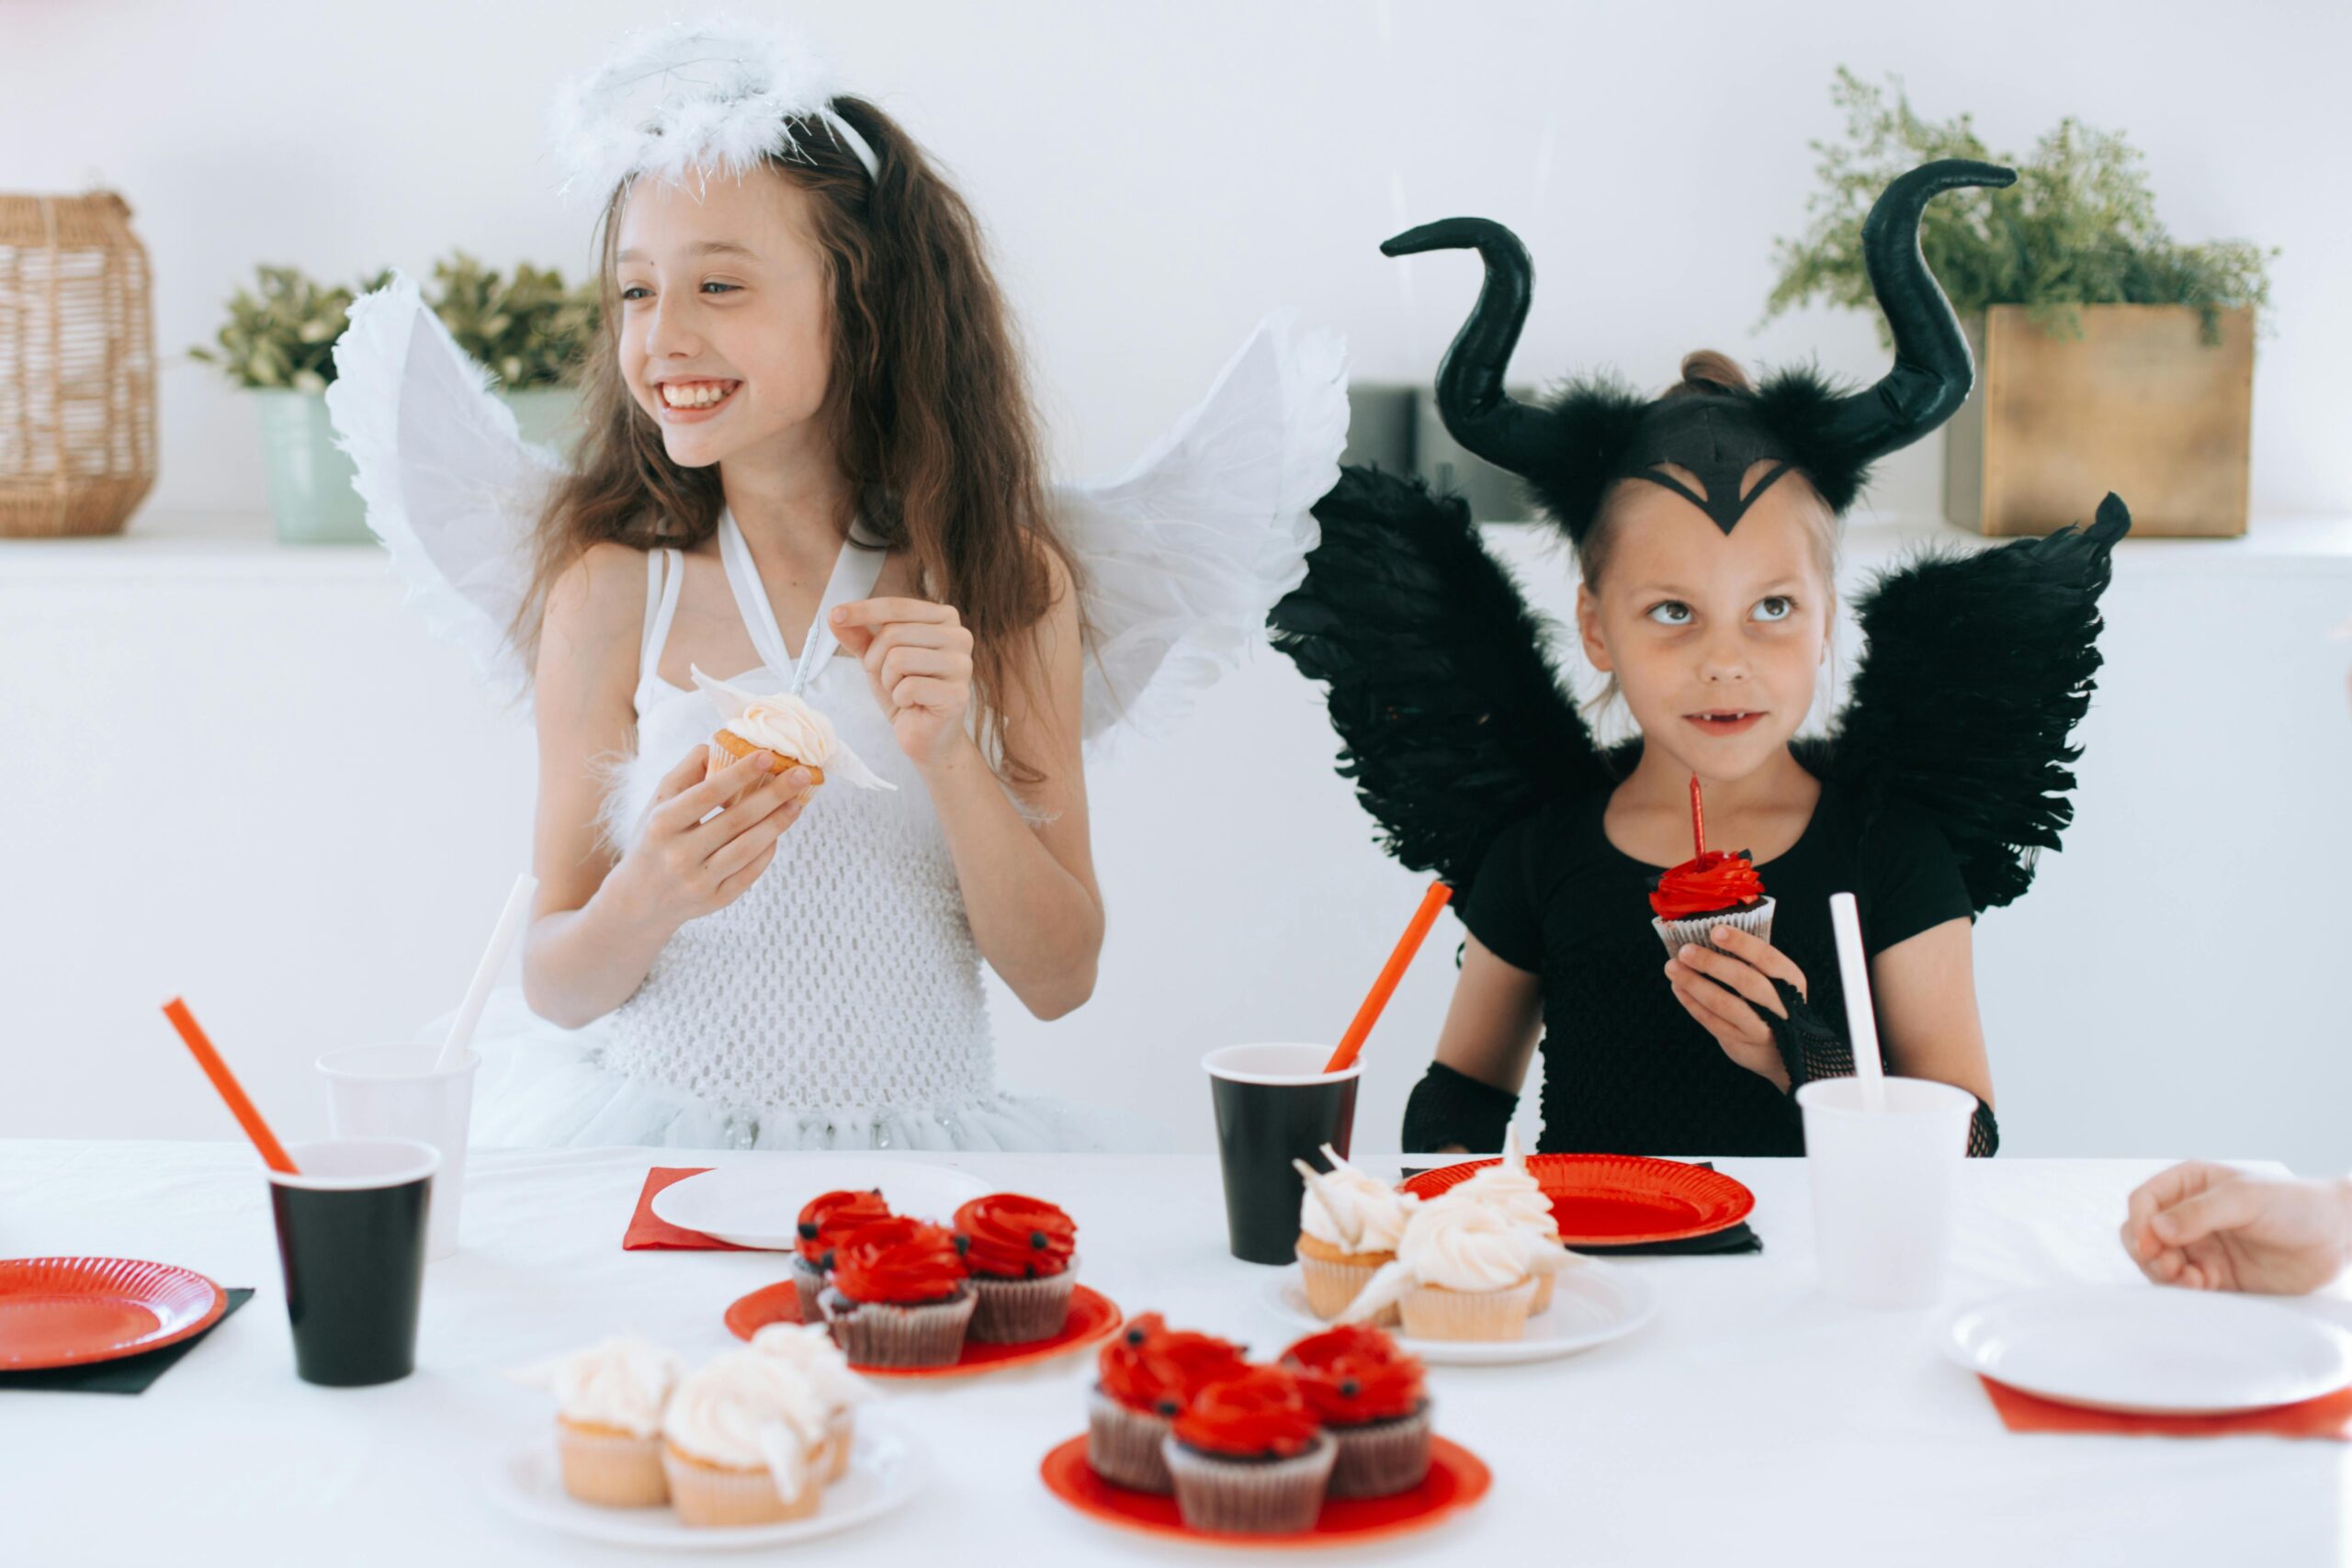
(394, 1091)
(1883, 1187)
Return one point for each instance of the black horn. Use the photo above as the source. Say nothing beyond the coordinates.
(1470, 396)
(1932, 368)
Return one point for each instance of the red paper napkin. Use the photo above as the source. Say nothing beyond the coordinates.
(2330, 1415)
(647, 1233)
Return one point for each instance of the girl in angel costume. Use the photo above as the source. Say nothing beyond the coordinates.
(1704, 525)
(810, 470)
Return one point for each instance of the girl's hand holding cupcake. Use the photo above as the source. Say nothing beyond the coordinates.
(918, 659)
(682, 867)
(1723, 989)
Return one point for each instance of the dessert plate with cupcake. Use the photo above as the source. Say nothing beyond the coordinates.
(764, 1446)
(901, 1297)
(1473, 1275)
(757, 1205)
(1331, 1445)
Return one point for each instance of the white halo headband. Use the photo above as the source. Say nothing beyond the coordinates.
(708, 95)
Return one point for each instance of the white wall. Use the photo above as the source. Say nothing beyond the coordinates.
(312, 873)
(1157, 176)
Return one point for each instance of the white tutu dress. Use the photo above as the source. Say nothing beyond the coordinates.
(837, 1003)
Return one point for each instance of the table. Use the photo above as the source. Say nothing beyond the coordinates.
(1716, 1436)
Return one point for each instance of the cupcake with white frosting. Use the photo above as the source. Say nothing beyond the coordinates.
(743, 1442)
(1511, 1188)
(782, 724)
(808, 1348)
(609, 1400)
(1349, 1225)
(1465, 1270)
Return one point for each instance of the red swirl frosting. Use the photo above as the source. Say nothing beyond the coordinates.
(1355, 1373)
(1156, 1369)
(898, 1260)
(1260, 1413)
(830, 1217)
(1716, 883)
(1008, 1237)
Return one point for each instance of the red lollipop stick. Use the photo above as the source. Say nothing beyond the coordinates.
(1698, 823)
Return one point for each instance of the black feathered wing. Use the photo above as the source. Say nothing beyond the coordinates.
(1451, 716)
(1976, 669)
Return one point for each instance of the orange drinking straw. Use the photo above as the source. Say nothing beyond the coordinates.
(1390, 972)
(273, 1153)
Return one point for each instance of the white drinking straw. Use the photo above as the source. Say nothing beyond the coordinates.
(509, 925)
(1861, 1022)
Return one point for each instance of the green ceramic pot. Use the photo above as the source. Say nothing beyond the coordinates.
(309, 482)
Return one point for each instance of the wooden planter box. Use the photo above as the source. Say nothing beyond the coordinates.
(2140, 404)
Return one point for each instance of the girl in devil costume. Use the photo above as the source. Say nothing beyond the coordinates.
(1704, 524)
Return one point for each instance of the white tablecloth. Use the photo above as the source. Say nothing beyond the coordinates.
(1754, 1422)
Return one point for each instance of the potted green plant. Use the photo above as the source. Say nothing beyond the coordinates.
(278, 344)
(534, 333)
(2109, 354)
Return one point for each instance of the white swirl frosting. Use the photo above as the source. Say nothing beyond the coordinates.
(1352, 1209)
(808, 1348)
(622, 1382)
(1510, 1188)
(1457, 1244)
(786, 724)
(750, 1410)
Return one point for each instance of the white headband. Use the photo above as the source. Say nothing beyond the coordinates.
(710, 95)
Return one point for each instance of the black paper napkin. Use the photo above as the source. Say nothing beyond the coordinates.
(125, 1374)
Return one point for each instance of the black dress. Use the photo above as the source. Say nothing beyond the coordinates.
(1626, 1069)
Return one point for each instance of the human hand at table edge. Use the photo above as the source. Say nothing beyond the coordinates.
(2211, 1227)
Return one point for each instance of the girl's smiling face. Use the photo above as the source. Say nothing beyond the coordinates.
(726, 313)
(1715, 638)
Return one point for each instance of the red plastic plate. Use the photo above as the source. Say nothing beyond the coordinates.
(1617, 1199)
(69, 1312)
(1457, 1478)
(1094, 1317)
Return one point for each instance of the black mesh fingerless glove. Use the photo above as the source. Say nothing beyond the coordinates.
(1447, 1107)
(1811, 1049)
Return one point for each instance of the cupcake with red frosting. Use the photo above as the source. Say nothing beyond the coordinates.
(826, 1219)
(1714, 887)
(899, 1295)
(1021, 1255)
(1248, 1457)
(1372, 1399)
(1146, 1376)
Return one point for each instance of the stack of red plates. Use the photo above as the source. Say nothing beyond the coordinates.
(1618, 1199)
(69, 1311)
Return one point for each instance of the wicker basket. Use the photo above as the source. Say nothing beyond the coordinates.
(78, 367)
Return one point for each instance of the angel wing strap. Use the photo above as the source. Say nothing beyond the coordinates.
(451, 487)
(1976, 669)
(1451, 714)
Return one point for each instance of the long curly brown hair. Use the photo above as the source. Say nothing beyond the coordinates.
(927, 407)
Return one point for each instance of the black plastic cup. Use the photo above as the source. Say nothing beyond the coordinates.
(351, 1240)
(1274, 1105)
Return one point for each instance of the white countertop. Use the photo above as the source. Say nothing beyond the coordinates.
(1754, 1422)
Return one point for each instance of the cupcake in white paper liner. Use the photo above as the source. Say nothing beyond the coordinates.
(784, 726)
(808, 1348)
(745, 1442)
(1511, 1188)
(1465, 1270)
(609, 1400)
(1349, 1225)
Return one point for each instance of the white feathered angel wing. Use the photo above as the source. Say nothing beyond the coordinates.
(451, 488)
(1184, 554)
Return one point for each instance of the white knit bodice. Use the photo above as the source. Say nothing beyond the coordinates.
(845, 979)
